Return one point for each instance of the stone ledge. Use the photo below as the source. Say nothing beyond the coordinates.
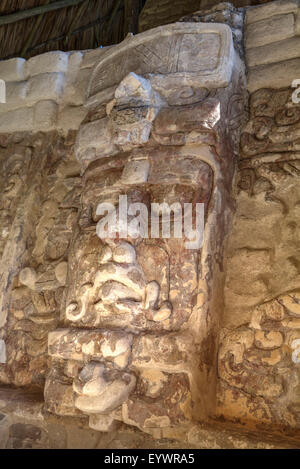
(266, 11)
(274, 52)
(23, 404)
(21, 119)
(227, 435)
(42, 116)
(277, 75)
(45, 86)
(13, 69)
(276, 28)
(25, 407)
(50, 62)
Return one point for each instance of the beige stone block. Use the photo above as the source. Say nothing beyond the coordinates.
(72, 92)
(121, 346)
(75, 59)
(17, 121)
(103, 423)
(28, 277)
(59, 397)
(54, 61)
(267, 10)
(94, 135)
(2, 351)
(2, 92)
(15, 95)
(276, 28)
(46, 86)
(61, 271)
(166, 353)
(12, 69)
(91, 57)
(279, 75)
(275, 52)
(71, 117)
(297, 23)
(45, 115)
(136, 172)
(76, 86)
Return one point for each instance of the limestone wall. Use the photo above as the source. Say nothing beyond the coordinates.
(46, 92)
(259, 356)
(138, 331)
(75, 304)
(272, 43)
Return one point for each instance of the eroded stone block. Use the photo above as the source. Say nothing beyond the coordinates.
(202, 69)
(91, 57)
(16, 92)
(262, 12)
(75, 89)
(270, 30)
(272, 53)
(70, 117)
(2, 351)
(276, 75)
(21, 119)
(45, 86)
(50, 62)
(72, 344)
(172, 407)
(100, 390)
(45, 115)
(135, 172)
(59, 396)
(12, 69)
(297, 23)
(94, 137)
(103, 423)
(161, 352)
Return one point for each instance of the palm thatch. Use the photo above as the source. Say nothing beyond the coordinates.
(87, 24)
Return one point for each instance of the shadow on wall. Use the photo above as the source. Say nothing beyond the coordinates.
(168, 11)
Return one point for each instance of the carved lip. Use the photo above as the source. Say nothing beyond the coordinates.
(133, 54)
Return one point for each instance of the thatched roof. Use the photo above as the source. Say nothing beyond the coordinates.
(31, 27)
(72, 25)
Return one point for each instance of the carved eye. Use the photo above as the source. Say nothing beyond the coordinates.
(187, 93)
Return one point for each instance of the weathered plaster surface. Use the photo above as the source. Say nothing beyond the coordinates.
(146, 332)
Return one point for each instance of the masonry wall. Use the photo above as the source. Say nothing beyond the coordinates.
(46, 92)
(258, 356)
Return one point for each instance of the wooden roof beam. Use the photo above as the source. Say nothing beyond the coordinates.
(24, 14)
